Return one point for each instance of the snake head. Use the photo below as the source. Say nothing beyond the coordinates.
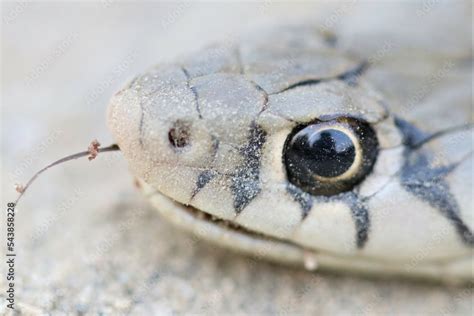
(291, 159)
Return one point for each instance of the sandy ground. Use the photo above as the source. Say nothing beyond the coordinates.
(86, 240)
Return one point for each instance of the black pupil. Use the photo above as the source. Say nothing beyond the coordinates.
(327, 153)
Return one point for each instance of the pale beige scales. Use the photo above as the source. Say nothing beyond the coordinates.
(208, 138)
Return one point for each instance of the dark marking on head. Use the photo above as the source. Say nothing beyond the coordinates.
(360, 214)
(246, 180)
(411, 134)
(207, 175)
(352, 76)
(423, 180)
(252, 151)
(264, 95)
(302, 83)
(196, 98)
(359, 211)
(204, 178)
(245, 187)
(419, 177)
(193, 90)
(415, 138)
(186, 74)
(215, 145)
(303, 198)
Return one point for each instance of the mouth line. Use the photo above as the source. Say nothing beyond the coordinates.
(258, 246)
(236, 228)
(248, 241)
(223, 232)
(204, 217)
(228, 225)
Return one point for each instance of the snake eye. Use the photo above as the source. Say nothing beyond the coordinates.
(326, 158)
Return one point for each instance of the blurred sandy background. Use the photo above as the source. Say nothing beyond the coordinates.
(87, 241)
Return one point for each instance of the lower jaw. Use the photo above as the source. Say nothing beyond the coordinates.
(259, 246)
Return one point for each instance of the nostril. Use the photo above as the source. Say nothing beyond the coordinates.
(179, 134)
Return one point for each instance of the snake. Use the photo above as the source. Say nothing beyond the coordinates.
(346, 149)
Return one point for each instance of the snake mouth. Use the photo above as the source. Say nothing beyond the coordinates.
(225, 233)
(259, 246)
(223, 223)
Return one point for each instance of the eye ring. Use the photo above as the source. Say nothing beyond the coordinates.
(329, 157)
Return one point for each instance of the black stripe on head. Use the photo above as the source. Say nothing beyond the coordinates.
(351, 77)
(207, 175)
(360, 214)
(246, 180)
(303, 198)
(193, 90)
(359, 211)
(427, 182)
(204, 178)
(412, 136)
